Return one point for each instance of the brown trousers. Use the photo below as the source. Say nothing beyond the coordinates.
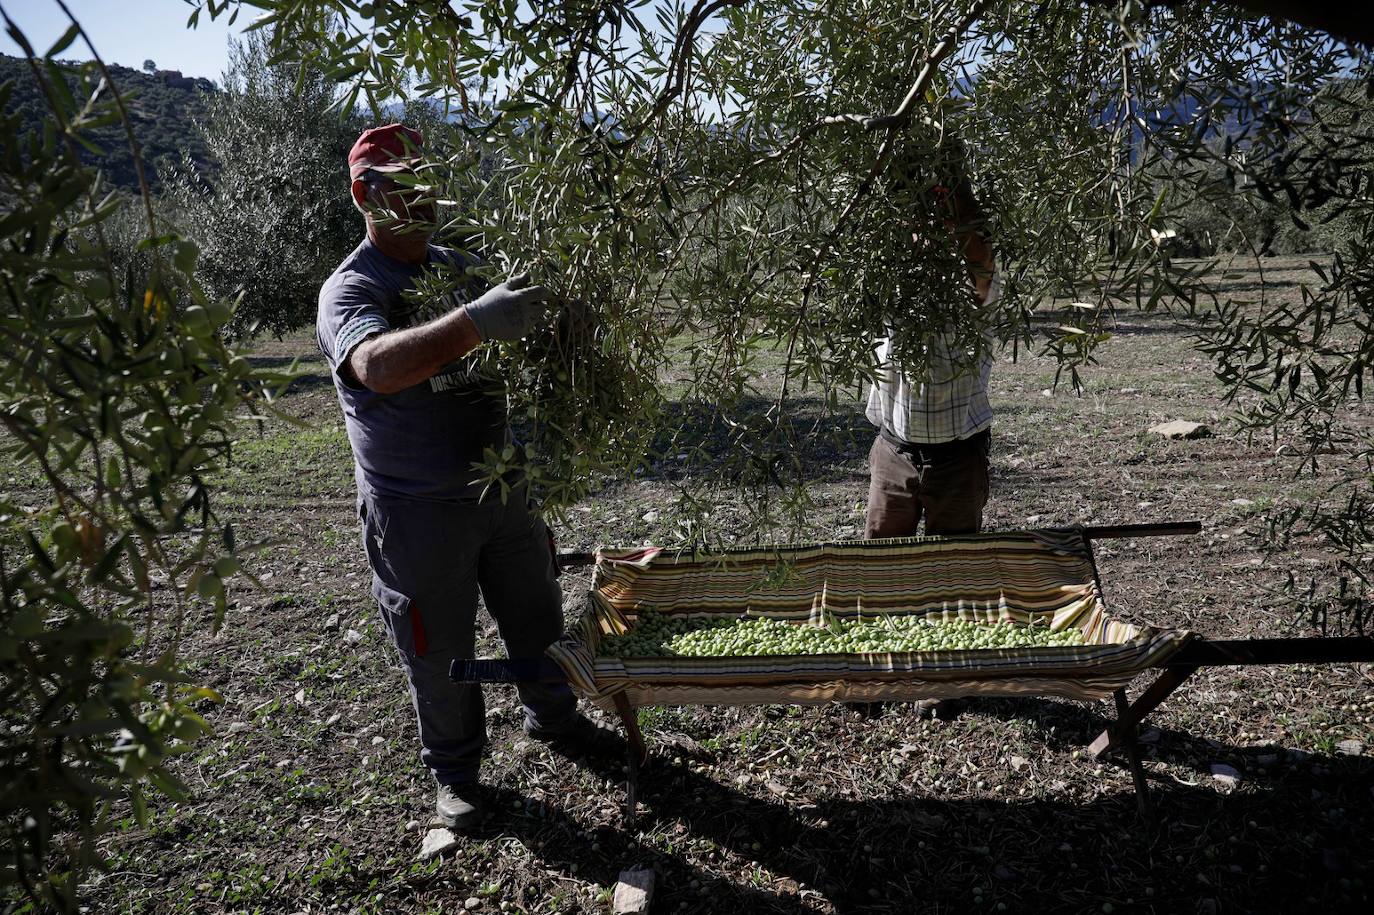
(947, 484)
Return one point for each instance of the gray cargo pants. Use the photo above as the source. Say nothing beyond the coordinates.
(429, 560)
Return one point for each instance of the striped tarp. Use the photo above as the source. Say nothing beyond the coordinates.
(1041, 577)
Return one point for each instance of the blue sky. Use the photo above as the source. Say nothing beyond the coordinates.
(129, 32)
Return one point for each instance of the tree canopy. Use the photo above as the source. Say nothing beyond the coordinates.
(275, 218)
(726, 179)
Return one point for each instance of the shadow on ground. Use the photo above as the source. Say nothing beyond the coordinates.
(1297, 835)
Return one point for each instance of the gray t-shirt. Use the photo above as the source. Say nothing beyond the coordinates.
(419, 443)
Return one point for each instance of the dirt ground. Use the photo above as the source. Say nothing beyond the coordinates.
(309, 796)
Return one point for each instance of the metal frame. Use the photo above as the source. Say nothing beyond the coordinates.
(1201, 653)
(1122, 735)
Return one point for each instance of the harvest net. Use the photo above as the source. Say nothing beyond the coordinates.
(1044, 578)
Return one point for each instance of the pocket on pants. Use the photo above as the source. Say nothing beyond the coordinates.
(392, 602)
(400, 613)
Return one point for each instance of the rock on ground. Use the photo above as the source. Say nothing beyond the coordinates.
(437, 841)
(1226, 775)
(633, 892)
(1181, 428)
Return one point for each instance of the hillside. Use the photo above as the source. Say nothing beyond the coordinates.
(163, 105)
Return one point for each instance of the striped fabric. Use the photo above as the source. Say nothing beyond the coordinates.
(1043, 577)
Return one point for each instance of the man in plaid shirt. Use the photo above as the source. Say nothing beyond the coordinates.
(930, 457)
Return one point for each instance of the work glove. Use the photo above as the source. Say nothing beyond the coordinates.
(510, 310)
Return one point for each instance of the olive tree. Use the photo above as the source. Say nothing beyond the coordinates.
(117, 405)
(274, 217)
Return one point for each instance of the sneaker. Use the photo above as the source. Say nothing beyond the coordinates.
(459, 806)
(582, 736)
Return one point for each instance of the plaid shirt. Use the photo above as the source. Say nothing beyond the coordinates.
(950, 402)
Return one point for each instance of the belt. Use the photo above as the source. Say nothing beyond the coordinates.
(976, 441)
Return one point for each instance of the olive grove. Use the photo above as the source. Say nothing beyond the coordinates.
(727, 188)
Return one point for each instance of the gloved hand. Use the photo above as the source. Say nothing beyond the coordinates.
(577, 323)
(510, 310)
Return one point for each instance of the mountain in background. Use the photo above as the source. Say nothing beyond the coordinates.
(163, 108)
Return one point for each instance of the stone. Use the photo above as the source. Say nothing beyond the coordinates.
(1019, 762)
(471, 903)
(634, 891)
(436, 842)
(1181, 428)
(353, 637)
(1350, 748)
(649, 517)
(1228, 776)
(238, 727)
(332, 624)
(412, 826)
(1243, 503)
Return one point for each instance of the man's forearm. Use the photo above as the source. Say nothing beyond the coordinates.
(971, 232)
(395, 361)
(978, 255)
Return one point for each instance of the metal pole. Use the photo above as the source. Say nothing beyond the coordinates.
(1164, 529)
(638, 754)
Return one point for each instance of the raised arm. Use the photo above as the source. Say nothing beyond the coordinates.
(391, 362)
(970, 230)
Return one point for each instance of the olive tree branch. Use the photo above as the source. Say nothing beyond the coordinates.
(680, 58)
(1335, 17)
(902, 115)
(738, 179)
